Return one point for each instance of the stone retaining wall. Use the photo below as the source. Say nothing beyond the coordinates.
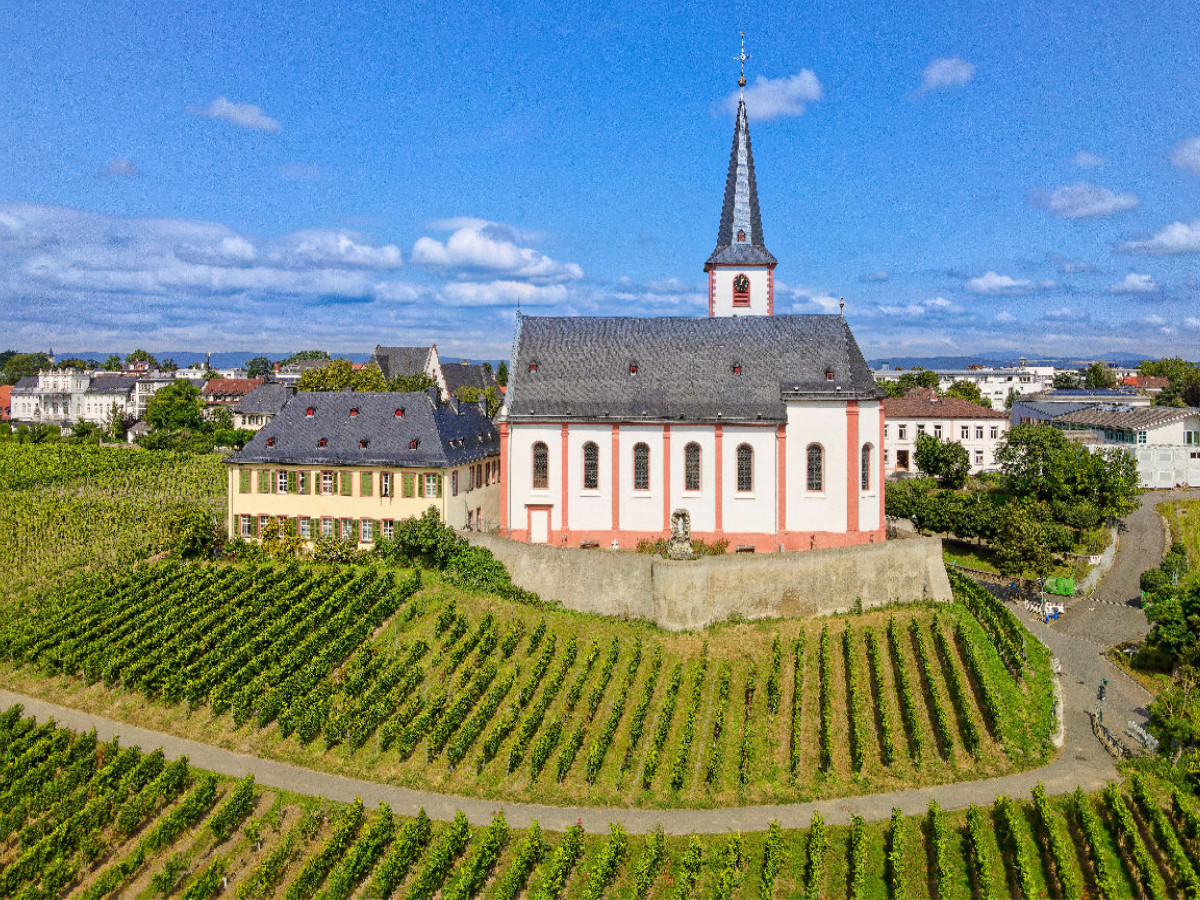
(690, 595)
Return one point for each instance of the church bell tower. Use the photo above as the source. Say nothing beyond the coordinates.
(741, 271)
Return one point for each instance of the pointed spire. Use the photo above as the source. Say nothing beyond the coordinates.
(739, 235)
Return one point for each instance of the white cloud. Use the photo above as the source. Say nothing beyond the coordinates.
(122, 166)
(340, 249)
(1134, 284)
(1191, 323)
(669, 286)
(300, 172)
(1086, 160)
(244, 115)
(1069, 266)
(870, 277)
(1186, 155)
(1178, 237)
(1083, 201)
(993, 284)
(946, 74)
(502, 293)
(935, 306)
(1004, 317)
(480, 249)
(773, 98)
(1066, 314)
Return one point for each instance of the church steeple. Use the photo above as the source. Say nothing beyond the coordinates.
(739, 234)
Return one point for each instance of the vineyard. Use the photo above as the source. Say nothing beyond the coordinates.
(88, 819)
(69, 508)
(366, 670)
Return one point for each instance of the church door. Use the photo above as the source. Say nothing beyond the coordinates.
(539, 526)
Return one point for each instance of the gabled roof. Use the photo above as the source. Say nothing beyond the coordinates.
(737, 369)
(26, 385)
(928, 406)
(266, 399)
(447, 434)
(396, 361)
(460, 375)
(1131, 417)
(739, 212)
(1049, 410)
(230, 387)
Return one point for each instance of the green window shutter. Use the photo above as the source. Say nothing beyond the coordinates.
(254, 526)
(366, 484)
(347, 484)
(264, 481)
(378, 529)
(291, 482)
(439, 485)
(409, 487)
(244, 477)
(354, 530)
(293, 525)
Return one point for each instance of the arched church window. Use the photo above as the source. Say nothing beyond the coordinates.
(745, 468)
(866, 467)
(741, 289)
(541, 466)
(591, 466)
(641, 467)
(691, 467)
(816, 467)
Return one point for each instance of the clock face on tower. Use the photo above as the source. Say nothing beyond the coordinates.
(741, 284)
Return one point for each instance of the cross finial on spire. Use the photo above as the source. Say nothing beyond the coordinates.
(741, 60)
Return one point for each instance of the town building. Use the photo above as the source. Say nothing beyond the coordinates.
(261, 405)
(766, 429)
(1164, 440)
(227, 392)
(924, 411)
(995, 384)
(5, 402)
(64, 397)
(352, 464)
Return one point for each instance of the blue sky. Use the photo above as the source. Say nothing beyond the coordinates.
(969, 177)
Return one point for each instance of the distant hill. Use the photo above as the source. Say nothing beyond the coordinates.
(1002, 359)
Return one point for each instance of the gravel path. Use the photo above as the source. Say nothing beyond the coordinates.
(1090, 626)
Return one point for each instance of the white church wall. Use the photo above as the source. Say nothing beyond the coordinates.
(641, 510)
(520, 475)
(824, 423)
(589, 510)
(701, 505)
(753, 512)
(869, 413)
(722, 288)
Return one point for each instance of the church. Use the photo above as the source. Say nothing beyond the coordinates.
(767, 429)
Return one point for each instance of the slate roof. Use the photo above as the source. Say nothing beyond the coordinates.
(466, 375)
(1093, 394)
(1128, 417)
(26, 385)
(394, 361)
(1049, 410)
(266, 399)
(447, 434)
(685, 368)
(740, 208)
(112, 384)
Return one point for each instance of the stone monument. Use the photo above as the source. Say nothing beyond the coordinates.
(680, 545)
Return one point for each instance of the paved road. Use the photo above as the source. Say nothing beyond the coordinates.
(1078, 640)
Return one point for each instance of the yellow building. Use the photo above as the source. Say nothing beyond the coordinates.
(351, 465)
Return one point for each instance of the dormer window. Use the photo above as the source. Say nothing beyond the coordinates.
(633, 368)
(354, 412)
(829, 374)
(270, 442)
(321, 442)
(400, 414)
(741, 236)
(413, 444)
(737, 368)
(533, 367)
(362, 445)
(310, 412)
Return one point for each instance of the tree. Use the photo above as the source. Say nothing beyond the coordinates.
(193, 535)
(1099, 376)
(502, 374)
(1021, 544)
(947, 461)
(1065, 381)
(175, 407)
(340, 375)
(140, 355)
(259, 366)
(968, 390)
(23, 365)
(113, 364)
(411, 383)
(1175, 713)
(169, 365)
(302, 355)
(73, 362)
(1182, 390)
(470, 394)
(924, 378)
(118, 423)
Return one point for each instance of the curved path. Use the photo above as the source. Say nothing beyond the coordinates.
(1078, 640)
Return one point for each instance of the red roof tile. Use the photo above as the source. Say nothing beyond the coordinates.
(929, 407)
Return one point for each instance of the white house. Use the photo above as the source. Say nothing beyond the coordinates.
(995, 384)
(766, 429)
(1164, 440)
(980, 430)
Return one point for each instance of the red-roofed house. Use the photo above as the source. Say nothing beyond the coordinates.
(227, 391)
(5, 402)
(922, 411)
